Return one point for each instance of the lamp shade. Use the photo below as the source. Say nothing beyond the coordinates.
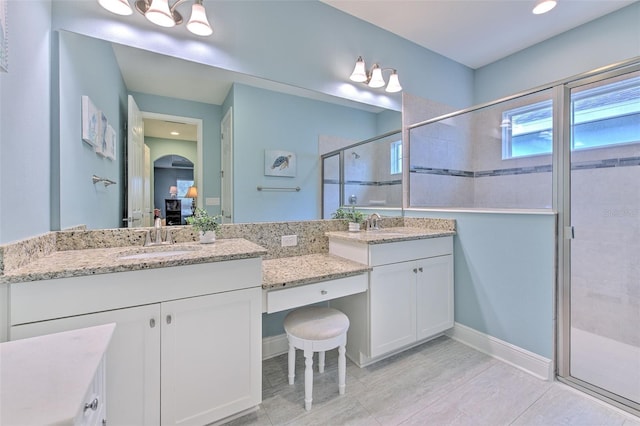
(359, 73)
(192, 192)
(543, 6)
(119, 7)
(394, 83)
(198, 23)
(159, 14)
(376, 77)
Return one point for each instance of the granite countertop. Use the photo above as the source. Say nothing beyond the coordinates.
(49, 376)
(307, 269)
(73, 263)
(390, 235)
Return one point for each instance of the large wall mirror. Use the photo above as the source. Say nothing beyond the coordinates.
(260, 118)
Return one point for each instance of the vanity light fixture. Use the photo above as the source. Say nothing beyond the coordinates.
(192, 193)
(374, 77)
(543, 6)
(160, 13)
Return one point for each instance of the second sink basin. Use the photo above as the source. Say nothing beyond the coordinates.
(157, 252)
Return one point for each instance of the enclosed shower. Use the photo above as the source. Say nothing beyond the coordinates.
(571, 148)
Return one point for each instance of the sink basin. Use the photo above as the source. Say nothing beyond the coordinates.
(158, 252)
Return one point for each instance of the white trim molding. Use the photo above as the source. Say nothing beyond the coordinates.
(274, 346)
(523, 359)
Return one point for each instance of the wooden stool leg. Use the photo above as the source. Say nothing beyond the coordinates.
(321, 361)
(342, 369)
(292, 363)
(308, 379)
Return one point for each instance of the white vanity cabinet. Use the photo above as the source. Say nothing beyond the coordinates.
(187, 344)
(410, 297)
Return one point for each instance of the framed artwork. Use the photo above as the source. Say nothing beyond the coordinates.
(4, 37)
(110, 143)
(279, 163)
(90, 121)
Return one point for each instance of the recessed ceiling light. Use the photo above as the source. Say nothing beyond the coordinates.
(543, 6)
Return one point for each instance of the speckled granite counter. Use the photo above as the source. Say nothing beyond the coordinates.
(297, 270)
(390, 235)
(71, 263)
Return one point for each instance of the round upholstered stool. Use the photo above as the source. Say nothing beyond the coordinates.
(316, 329)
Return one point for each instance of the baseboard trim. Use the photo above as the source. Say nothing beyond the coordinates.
(518, 357)
(274, 346)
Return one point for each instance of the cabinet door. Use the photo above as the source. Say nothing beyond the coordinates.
(434, 295)
(133, 360)
(211, 356)
(392, 292)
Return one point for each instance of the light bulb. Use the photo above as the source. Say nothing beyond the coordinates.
(198, 23)
(119, 7)
(359, 73)
(159, 14)
(543, 6)
(376, 77)
(394, 83)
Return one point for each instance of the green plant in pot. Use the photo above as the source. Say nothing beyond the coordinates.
(207, 226)
(354, 217)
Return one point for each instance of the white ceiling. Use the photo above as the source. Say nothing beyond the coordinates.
(476, 32)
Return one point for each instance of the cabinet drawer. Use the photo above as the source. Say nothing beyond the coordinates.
(402, 251)
(279, 300)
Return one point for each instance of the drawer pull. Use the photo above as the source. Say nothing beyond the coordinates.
(415, 270)
(91, 406)
(152, 322)
(420, 269)
(168, 319)
(323, 292)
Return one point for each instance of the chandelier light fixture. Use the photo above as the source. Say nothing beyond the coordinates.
(543, 6)
(374, 77)
(160, 13)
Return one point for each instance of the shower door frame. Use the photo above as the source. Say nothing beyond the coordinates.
(562, 201)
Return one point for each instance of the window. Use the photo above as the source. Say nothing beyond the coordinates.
(396, 157)
(602, 116)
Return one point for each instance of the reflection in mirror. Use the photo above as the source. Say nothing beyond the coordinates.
(267, 116)
(365, 174)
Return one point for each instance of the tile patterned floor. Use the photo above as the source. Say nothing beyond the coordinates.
(442, 382)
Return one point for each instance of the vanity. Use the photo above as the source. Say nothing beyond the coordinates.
(410, 289)
(187, 347)
(187, 344)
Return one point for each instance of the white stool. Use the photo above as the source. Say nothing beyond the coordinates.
(316, 329)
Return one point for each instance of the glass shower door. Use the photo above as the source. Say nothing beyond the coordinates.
(605, 249)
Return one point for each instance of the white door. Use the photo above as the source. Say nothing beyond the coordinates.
(226, 173)
(135, 166)
(147, 213)
(434, 296)
(133, 360)
(211, 356)
(392, 293)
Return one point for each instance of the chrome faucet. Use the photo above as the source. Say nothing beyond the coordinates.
(372, 221)
(157, 227)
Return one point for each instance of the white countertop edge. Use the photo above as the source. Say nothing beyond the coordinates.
(45, 379)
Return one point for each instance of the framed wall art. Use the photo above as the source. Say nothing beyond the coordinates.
(90, 121)
(279, 163)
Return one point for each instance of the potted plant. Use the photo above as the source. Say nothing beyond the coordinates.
(207, 226)
(354, 217)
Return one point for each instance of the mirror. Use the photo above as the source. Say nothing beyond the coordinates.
(267, 117)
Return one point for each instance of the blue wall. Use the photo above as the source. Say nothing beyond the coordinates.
(87, 67)
(605, 41)
(504, 269)
(266, 120)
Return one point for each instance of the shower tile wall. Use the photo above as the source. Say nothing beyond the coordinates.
(458, 163)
